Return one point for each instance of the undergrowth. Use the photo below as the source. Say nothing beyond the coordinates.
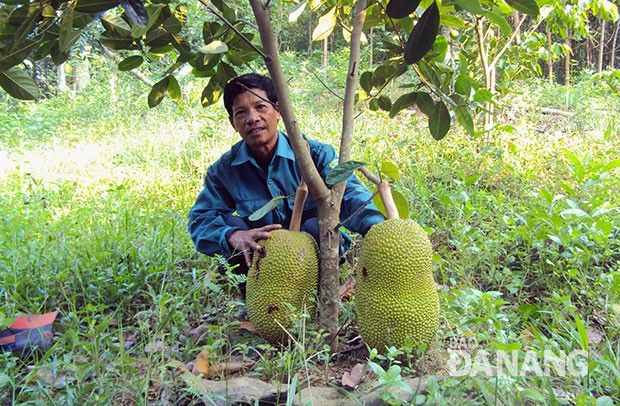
(524, 220)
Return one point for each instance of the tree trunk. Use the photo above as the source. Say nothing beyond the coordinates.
(614, 42)
(325, 53)
(372, 47)
(601, 48)
(62, 79)
(550, 58)
(327, 200)
(567, 59)
(517, 24)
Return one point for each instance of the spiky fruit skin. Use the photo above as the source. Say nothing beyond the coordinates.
(395, 293)
(284, 275)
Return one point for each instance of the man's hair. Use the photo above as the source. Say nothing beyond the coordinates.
(242, 83)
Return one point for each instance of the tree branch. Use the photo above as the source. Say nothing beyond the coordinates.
(134, 72)
(316, 186)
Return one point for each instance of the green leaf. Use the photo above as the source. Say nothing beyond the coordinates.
(449, 20)
(153, 11)
(174, 89)
(384, 103)
(68, 35)
(500, 22)
(342, 172)
(131, 62)
(366, 81)
(325, 26)
(16, 56)
(158, 92)
(425, 103)
(18, 84)
(136, 12)
(215, 47)
(529, 7)
(114, 24)
(402, 205)
(390, 169)
(423, 35)
(439, 121)
(404, 101)
(583, 334)
(268, 207)
(472, 6)
(95, 6)
(401, 8)
(465, 120)
(294, 14)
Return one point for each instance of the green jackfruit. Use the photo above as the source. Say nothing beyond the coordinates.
(281, 282)
(395, 293)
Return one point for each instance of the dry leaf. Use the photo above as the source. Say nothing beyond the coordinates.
(202, 365)
(527, 335)
(348, 289)
(247, 325)
(228, 368)
(351, 380)
(594, 336)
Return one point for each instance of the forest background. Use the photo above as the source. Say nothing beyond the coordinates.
(521, 209)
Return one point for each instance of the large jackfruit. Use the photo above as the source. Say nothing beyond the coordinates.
(283, 276)
(395, 294)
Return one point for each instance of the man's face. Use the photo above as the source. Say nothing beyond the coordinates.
(256, 119)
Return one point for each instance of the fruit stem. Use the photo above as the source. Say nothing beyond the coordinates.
(385, 193)
(300, 199)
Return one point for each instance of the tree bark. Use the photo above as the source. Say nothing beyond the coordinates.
(567, 59)
(550, 59)
(327, 200)
(601, 48)
(324, 61)
(614, 42)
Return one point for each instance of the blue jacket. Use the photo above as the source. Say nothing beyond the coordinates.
(235, 184)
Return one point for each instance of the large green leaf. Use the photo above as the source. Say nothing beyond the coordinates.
(158, 92)
(16, 56)
(500, 21)
(342, 172)
(297, 11)
(463, 116)
(472, 6)
(18, 84)
(215, 47)
(68, 34)
(425, 103)
(153, 12)
(423, 35)
(95, 6)
(399, 200)
(404, 101)
(401, 8)
(390, 169)
(115, 25)
(325, 26)
(439, 121)
(529, 7)
(131, 62)
(136, 12)
(174, 89)
(366, 81)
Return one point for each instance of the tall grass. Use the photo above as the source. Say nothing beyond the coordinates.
(524, 220)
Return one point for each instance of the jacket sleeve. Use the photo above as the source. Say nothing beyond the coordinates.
(207, 225)
(355, 196)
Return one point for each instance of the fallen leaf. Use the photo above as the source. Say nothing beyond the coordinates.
(227, 368)
(55, 379)
(197, 333)
(354, 378)
(594, 336)
(247, 325)
(527, 335)
(202, 365)
(347, 289)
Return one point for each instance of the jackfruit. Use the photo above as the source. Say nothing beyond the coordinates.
(281, 282)
(395, 293)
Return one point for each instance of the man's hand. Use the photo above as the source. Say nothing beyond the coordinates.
(246, 240)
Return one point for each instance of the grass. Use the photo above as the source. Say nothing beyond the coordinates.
(524, 221)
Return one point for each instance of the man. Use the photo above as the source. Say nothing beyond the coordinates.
(258, 168)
